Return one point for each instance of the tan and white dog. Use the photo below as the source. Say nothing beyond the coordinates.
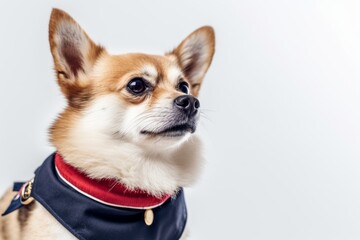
(129, 117)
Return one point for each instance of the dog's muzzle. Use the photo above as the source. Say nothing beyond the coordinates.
(182, 121)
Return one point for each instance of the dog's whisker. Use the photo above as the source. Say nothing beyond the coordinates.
(207, 119)
(208, 109)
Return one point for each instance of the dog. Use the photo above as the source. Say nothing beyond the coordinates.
(125, 142)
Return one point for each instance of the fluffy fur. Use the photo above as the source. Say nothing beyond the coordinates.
(101, 131)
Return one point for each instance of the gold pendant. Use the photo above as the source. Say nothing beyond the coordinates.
(149, 217)
(26, 193)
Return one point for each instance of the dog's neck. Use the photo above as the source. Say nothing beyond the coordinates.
(100, 156)
(106, 191)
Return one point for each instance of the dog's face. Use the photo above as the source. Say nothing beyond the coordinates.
(137, 98)
(149, 98)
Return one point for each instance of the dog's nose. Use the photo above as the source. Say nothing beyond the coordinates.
(188, 104)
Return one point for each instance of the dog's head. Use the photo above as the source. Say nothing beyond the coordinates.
(135, 100)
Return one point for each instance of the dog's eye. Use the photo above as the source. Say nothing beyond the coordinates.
(184, 87)
(137, 86)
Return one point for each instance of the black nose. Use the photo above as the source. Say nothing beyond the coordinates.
(188, 104)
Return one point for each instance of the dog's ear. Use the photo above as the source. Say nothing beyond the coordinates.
(195, 54)
(73, 51)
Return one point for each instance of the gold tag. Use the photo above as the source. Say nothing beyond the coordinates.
(26, 193)
(149, 217)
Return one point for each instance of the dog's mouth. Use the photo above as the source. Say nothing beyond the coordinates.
(172, 131)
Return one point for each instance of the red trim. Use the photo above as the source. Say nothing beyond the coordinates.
(106, 190)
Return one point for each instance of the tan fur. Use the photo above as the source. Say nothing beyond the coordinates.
(99, 132)
(9, 223)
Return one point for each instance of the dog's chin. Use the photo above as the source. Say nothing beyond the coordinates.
(171, 135)
(175, 131)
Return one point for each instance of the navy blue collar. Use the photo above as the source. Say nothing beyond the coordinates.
(87, 219)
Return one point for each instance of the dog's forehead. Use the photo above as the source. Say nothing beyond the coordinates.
(161, 68)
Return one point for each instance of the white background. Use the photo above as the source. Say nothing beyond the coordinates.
(281, 102)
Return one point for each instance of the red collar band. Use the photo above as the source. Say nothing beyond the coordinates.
(106, 191)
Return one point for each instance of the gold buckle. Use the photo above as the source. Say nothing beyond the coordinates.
(25, 197)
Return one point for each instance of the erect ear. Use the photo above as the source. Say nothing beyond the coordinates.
(73, 51)
(194, 55)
